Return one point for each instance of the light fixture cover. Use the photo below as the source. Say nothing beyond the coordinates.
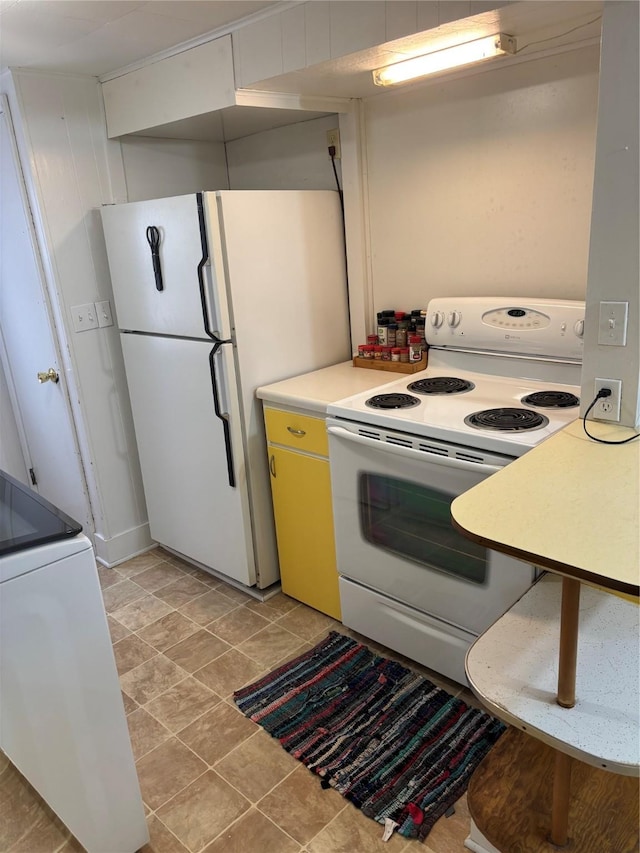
(450, 57)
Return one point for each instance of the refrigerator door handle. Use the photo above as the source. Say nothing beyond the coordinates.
(204, 260)
(223, 416)
(153, 239)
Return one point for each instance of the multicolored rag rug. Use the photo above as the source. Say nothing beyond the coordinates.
(399, 748)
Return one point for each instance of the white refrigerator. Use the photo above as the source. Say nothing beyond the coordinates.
(217, 293)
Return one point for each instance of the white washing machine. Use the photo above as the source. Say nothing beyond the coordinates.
(62, 721)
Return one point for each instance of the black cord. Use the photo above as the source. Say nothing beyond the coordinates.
(557, 36)
(332, 154)
(603, 392)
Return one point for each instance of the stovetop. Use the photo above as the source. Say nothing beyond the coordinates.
(442, 416)
(486, 354)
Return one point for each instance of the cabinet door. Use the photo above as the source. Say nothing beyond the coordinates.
(301, 489)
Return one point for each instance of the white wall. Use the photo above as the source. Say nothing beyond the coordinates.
(156, 168)
(614, 259)
(66, 158)
(481, 185)
(73, 170)
(293, 157)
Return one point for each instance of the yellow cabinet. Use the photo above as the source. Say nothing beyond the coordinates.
(301, 490)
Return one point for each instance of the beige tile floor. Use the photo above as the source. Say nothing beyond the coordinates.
(212, 781)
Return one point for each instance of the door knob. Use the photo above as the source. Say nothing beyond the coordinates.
(49, 375)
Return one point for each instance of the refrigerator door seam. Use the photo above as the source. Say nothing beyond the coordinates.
(203, 261)
(217, 343)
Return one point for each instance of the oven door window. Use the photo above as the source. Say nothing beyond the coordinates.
(414, 522)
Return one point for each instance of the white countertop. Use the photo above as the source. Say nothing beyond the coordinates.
(314, 391)
(513, 668)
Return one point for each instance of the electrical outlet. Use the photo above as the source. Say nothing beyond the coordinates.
(608, 408)
(333, 139)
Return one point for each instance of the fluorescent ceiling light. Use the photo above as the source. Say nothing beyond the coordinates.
(450, 57)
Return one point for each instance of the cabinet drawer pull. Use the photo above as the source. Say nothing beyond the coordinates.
(298, 432)
(272, 465)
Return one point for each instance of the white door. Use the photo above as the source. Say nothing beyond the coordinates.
(43, 408)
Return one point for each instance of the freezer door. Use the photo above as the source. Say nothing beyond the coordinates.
(192, 507)
(154, 249)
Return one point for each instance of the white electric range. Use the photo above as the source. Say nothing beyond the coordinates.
(503, 374)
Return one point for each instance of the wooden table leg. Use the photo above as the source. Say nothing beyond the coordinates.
(569, 618)
(568, 657)
(560, 801)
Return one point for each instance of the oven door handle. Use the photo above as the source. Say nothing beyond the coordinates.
(409, 453)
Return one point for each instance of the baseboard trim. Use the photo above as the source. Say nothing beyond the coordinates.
(124, 546)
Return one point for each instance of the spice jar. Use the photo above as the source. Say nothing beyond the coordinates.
(361, 349)
(377, 352)
(368, 351)
(415, 350)
(386, 353)
(383, 331)
(372, 340)
(395, 353)
(404, 354)
(392, 328)
(401, 334)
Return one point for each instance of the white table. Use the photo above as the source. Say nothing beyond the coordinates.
(570, 505)
(513, 666)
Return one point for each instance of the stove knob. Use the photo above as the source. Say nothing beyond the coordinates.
(454, 319)
(437, 318)
(578, 328)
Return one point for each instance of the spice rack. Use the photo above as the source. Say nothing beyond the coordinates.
(391, 366)
(398, 344)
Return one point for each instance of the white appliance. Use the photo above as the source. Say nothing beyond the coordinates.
(62, 719)
(502, 375)
(217, 293)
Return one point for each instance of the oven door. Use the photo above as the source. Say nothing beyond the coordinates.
(392, 497)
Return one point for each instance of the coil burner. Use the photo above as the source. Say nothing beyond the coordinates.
(506, 420)
(392, 401)
(551, 400)
(440, 385)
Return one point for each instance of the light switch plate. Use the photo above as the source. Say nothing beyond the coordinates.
(84, 317)
(103, 310)
(612, 326)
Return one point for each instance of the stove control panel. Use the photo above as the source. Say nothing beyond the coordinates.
(548, 328)
(516, 318)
